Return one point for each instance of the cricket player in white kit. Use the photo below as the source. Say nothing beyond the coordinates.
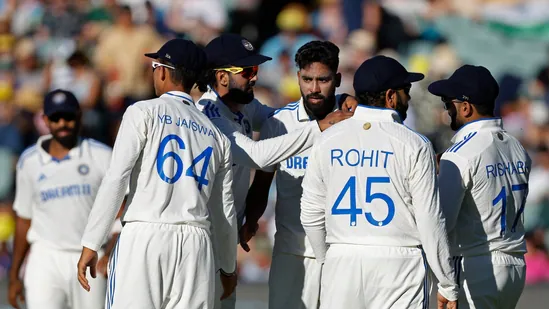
(229, 102)
(483, 180)
(294, 278)
(57, 181)
(370, 204)
(178, 165)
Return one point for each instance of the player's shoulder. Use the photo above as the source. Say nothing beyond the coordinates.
(289, 110)
(470, 145)
(30, 154)
(97, 147)
(405, 135)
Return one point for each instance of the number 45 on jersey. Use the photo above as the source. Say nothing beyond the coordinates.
(161, 158)
(371, 196)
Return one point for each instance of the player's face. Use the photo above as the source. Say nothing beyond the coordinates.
(451, 106)
(317, 83)
(403, 97)
(64, 127)
(241, 87)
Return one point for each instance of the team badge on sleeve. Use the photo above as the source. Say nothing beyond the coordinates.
(83, 169)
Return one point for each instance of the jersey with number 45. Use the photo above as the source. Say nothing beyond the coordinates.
(370, 180)
(483, 185)
(178, 165)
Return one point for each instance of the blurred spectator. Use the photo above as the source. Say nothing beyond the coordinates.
(120, 61)
(328, 20)
(62, 19)
(201, 20)
(293, 22)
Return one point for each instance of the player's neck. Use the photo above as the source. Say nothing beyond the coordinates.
(56, 149)
(476, 117)
(175, 88)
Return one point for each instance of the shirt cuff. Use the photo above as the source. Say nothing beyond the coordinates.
(449, 292)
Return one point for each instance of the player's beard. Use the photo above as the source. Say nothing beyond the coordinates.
(318, 111)
(68, 141)
(401, 108)
(455, 124)
(238, 95)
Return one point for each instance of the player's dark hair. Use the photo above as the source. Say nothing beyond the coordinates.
(207, 78)
(183, 76)
(324, 52)
(376, 99)
(485, 109)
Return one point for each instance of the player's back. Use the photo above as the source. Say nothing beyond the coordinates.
(369, 161)
(495, 170)
(173, 177)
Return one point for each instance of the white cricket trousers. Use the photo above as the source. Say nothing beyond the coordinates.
(374, 277)
(51, 281)
(161, 266)
(491, 281)
(294, 282)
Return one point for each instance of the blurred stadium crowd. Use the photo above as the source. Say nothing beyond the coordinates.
(95, 49)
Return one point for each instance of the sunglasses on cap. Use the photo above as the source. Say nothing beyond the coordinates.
(158, 64)
(246, 72)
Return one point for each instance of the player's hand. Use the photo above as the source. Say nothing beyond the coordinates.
(15, 293)
(229, 284)
(333, 118)
(349, 104)
(444, 303)
(88, 258)
(247, 231)
(102, 265)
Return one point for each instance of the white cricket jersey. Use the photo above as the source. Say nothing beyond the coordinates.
(483, 180)
(247, 153)
(178, 165)
(372, 181)
(57, 195)
(290, 236)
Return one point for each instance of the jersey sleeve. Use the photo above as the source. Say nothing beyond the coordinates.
(430, 220)
(269, 130)
(261, 154)
(127, 149)
(313, 203)
(23, 193)
(259, 114)
(454, 178)
(223, 215)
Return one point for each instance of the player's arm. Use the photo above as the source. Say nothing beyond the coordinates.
(313, 203)
(23, 208)
(260, 154)
(224, 226)
(223, 214)
(453, 180)
(430, 220)
(256, 203)
(127, 148)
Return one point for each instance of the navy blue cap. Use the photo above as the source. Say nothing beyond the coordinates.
(60, 101)
(233, 50)
(183, 53)
(382, 73)
(474, 84)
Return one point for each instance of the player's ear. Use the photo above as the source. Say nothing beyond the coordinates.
(222, 78)
(468, 109)
(390, 99)
(338, 79)
(164, 73)
(46, 119)
(299, 75)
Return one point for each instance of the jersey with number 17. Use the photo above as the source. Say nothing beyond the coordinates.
(483, 186)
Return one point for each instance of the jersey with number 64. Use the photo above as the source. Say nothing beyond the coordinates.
(483, 185)
(178, 165)
(372, 181)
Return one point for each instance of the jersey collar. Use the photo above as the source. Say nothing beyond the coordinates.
(180, 96)
(46, 158)
(302, 111)
(212, 96)
(364, 112)
(485, 124)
